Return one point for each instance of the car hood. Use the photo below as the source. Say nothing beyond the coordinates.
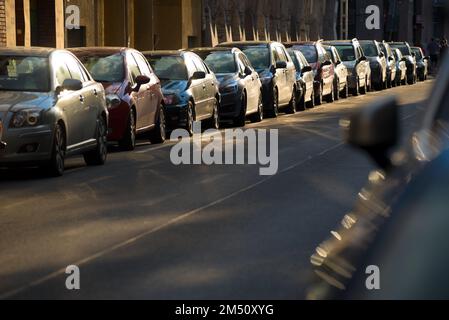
(14, 100)
(349, 64)
(173, 86)
(226, 79)
(112, 87)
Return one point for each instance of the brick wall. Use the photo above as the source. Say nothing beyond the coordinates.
(2, 24)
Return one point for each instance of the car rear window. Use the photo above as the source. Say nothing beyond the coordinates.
(18, 73)
(370, 49)
(105, 68)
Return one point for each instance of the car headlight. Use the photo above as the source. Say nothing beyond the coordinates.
(113, 101)
(26, 118)
(229, 89)
(171, 99)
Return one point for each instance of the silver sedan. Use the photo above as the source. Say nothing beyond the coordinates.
(50, 108)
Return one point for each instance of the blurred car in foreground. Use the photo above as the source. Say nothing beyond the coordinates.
(322, 67)
(353, 57)
(377, 61)
(341, 87)
(391, 64)
(133, 92)
(401, 67)
(190, 88)
(422, 63)
(277, 73)
(410, 60)
(50, 108)
(304, 80)
(399, 223)
(240, 86)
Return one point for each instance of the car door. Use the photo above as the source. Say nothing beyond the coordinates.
(281, 76)
(208, 86)
(291, 73)
(326, 70)
(150, 110)
(253, 84)
(361, 66)
(68, 102)
(307, 76)
(197, 87)
(89, 95)
(142, 97)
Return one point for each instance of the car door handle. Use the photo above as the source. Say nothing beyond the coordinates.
(204, 86)
(95, 92)
(82, 98)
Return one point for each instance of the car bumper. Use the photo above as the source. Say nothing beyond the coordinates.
(376, 75)
(267, 96)
(176, 115)
(27, 145)
(352, 82)
(230, 106)
(118, 121)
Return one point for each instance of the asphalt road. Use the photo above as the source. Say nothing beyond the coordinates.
(143, 228)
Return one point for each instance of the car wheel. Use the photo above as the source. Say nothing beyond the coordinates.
(214, 121)
(97, 157)
(55, 166)
(258, 116)
(274, 112)
(357, 88)
(302, 101)
(364, 89)
(159, 133)
(190, 118)
(240, 121)
(319, 97)
(128, 142)
(345, 92)
(311, 103)
(291, 108)
(337, 91)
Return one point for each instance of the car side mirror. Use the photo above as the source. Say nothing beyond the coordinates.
(326, 63)
(248, 71)
(427, 58)
(281, 65)
(374, 129)
(72, 85)
(362, 58)
(140, 81)
(390, 59)
(381, 55)
(306, 69)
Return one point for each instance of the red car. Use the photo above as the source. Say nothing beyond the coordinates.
(322, 67)
(133, 92)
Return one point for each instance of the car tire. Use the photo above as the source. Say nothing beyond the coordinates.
(291, 108)
(301, 106)
(97, 157)
(258, 116)
(190, 118)
(55, 166)
(345, 93)
(356, 91)
(331, 96)
(159, 133)
(337, 91)
(319, 97)
(214, 121)
(274, 112)
(128, 142)
(240, 121)
(311, 103)
(363, 90)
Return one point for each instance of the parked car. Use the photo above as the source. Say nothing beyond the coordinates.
(391, 63)
(304, 80)
(50, 109)
(133, 91)
(240, 86)
(190, 88)
(277, 73)
(401, 67)
(377, 61)
(399, 222)
(353, 57)
(341, 87)
(406, 51)
(422, 63)
(322, 68)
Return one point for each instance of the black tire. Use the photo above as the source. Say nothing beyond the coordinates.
(128, 141)
(404, 82)
(56, 165)
(291, 108)
(301, 106)
(337, 91)
(311, 103)
(98, 156)
(319, 97)
(159, 134)
(364, 90)
(258, 116)
(274, 110)
(240, 121)
(190, 118)
(214, 121)
(345, 93)
(356, 91)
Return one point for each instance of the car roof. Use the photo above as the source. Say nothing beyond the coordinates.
(215, 49)
(179, 53)
(28, 51)
(246, 43)
(98, 50)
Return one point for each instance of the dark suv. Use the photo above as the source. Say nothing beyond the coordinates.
(406, 51)
(322, 67)
(353, 57)
(276, 70)
(377, 62)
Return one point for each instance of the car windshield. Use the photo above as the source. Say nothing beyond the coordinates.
(19, 73)
(110, 68)
(370, 49)
(405, 50)
(331, 54)
(220, 61)
(259, 56)
(295, 59)
(346, 52)
(418, 54)
(309, 53)
(169, 67)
